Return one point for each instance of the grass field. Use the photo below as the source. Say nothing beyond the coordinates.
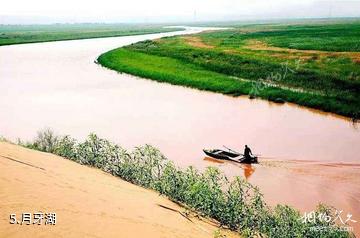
(19, 34)
(314, 65)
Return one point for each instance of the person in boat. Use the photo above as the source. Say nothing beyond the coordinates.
(248, 155)
(247, 152)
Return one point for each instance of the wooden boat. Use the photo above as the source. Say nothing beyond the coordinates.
(221, 154)
(229, 155)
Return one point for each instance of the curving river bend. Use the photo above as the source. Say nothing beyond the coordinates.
(309, 156)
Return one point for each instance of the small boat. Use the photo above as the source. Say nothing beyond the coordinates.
(221, 154)
(229, 155)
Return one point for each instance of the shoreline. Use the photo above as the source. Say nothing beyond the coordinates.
(166, 30)
(236, 62)
(207, 193)
(226, 85)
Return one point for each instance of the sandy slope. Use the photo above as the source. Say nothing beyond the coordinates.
(87, 201)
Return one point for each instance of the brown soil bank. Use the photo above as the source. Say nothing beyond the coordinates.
(87, 201)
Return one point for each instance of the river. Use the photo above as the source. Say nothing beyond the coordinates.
(308, 156)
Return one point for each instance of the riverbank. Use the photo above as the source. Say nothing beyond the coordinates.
(87, 201)
(233, 203)
(255, 61)
(22, 34)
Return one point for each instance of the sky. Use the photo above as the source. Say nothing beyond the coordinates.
(51, 11)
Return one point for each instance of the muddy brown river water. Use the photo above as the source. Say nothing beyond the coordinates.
(308, 156)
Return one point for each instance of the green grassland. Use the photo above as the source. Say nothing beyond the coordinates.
(19, 34)
(314, 65)
(328, 37)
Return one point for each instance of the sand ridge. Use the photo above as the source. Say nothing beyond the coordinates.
(88, 202)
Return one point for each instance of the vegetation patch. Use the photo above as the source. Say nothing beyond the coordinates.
(252, 61)
(196, 42)
(235, 203)
(19, 34)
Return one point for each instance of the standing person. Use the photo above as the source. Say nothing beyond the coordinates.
(248, 156)
(247, 152)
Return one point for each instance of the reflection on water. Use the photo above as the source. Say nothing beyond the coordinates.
(214, 160)
(356, 124)
(248, 170)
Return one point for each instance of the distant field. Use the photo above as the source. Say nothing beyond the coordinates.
(315, 65)
(19, 34)
(331, 37)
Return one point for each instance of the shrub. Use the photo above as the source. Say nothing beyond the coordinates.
(45, 141)
(92, 152)
(65, 147)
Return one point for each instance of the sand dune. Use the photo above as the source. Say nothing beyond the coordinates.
(87, 201)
